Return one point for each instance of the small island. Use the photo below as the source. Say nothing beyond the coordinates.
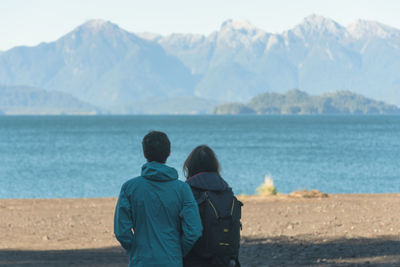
(299, 102)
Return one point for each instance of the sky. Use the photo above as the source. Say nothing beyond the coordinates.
(29, 22)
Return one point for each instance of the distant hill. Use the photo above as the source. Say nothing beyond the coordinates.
(176, 105)
(30, 100)
(299, 102)
(233, 108)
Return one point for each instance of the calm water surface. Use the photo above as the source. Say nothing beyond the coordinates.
(91, 156)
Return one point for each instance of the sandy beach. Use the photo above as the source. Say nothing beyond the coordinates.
(344, 230)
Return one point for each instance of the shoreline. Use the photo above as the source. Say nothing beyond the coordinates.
(239, 196)
(277, 230)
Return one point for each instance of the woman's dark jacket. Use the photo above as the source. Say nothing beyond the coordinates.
(204, 181)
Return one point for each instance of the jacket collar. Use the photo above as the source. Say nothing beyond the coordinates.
(157, 171)
(210, 181)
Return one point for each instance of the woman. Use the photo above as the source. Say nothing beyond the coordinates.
(220, 212)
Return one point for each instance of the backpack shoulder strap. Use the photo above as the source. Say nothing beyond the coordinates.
(211, 204)
(203, 197)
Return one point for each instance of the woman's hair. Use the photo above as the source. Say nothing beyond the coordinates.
(201, 159)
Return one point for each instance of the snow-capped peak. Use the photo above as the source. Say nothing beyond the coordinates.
(243, 26)
(316, 19)
(316, 24)
(97, 27)
(239, 33)
(95, 24)
(365, 29)
(237, 24)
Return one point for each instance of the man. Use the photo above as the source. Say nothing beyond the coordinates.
(156, 218)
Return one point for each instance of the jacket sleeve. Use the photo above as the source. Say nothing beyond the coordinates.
(191, 222)
(123, 223)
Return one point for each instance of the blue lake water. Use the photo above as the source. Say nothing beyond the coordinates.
(91, 156)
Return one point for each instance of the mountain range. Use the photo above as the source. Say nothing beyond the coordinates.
(122, 72)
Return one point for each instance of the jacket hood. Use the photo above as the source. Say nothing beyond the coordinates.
(158, 172)
(210, 181)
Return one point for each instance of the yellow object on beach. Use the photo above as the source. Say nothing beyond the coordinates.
(267, 188)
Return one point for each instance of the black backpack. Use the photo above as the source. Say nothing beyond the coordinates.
(220, 213)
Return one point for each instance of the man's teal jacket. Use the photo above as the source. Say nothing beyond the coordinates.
(156, 219)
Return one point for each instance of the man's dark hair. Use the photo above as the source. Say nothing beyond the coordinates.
(156, 146)
(201, 159)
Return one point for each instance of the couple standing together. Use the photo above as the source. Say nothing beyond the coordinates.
(162, 221)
